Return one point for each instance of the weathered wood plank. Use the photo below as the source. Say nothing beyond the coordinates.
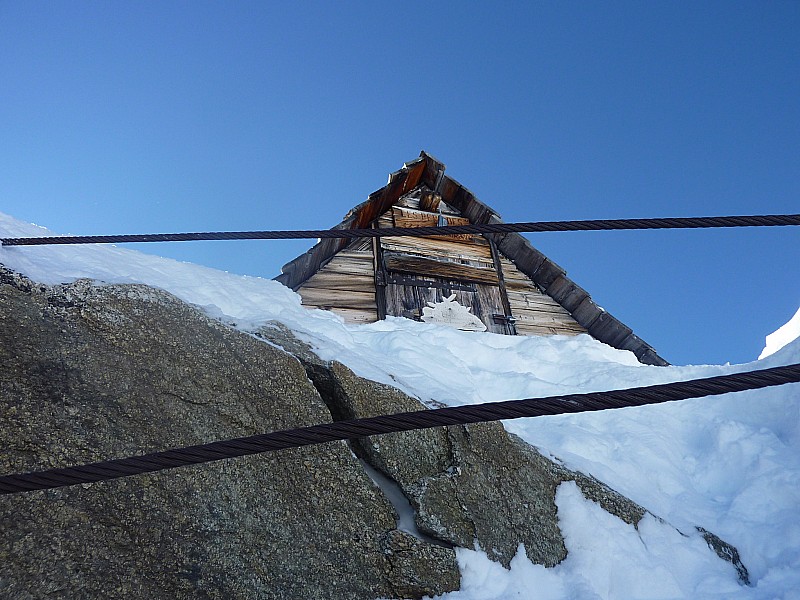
(609, 329)
(339, 281)
(404, 301)
(408, 301)
(547, 272)
(429, 201)
(400, 182)
(536, 312)
(508, 323)
(345, 266)
(546, 316)
(515, 276)
(545, 312)
(379, 276)
(524, 329)
(432, 169)
(566, 292)
(430, 282)
(364, 255)
(439, 248)
(512, 273)
(454, 242)
(554, 326)
(337, 298)
(529, 304)
(406, 217)
(465, 201)
(587, 312)
(355, 316)
(408, 201)
(360, 245)
(408, 214)
(526, 258)
(520, 286)
(413, 201)
(406, 263)
(538, 316)
(491, 303)
(533, 297)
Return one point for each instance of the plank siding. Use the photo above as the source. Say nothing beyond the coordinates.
(408, 301)
(340, 275)
(464, 259)
(443, 261)
(408, 217)
(336, 281)
(412, 201)
(345, 285)
(419, 265)
(331, 299)
(536, 313)
(477, 255)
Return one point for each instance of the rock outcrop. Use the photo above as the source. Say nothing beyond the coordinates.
(91, 372)
(472, 483)
(94, 372)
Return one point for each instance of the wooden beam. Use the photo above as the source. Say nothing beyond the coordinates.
(408, 217)
(430, 201)
(326, 298)
(379, 268)
(509, 322)
(427, 284)
(438, 247)
(407, 263)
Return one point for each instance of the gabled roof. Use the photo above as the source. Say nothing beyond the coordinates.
(547, 275)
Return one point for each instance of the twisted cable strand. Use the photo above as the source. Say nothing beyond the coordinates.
(485, 228)
(424, 419)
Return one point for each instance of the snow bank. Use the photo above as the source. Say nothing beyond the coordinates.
(730, 463)
(781, 337)
(607, 558)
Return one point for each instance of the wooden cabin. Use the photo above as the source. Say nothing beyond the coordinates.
(497, 282)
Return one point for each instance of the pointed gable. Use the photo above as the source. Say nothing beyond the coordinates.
(501, 279)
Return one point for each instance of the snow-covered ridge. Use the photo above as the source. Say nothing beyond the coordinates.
(730, 464)
(782, 336)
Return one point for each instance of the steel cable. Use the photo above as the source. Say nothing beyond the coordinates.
(486, 228)
(357, 428)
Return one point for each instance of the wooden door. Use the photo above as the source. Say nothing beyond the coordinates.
(407, 295)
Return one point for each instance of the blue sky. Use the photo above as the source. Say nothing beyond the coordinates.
(191, 116)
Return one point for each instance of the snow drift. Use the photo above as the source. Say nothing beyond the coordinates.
(730, 464)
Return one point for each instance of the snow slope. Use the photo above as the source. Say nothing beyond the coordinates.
(782, 336)
(730, 464)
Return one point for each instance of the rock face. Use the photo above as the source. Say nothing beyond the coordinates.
(468, 484)
(94, 372)
(90, 373)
